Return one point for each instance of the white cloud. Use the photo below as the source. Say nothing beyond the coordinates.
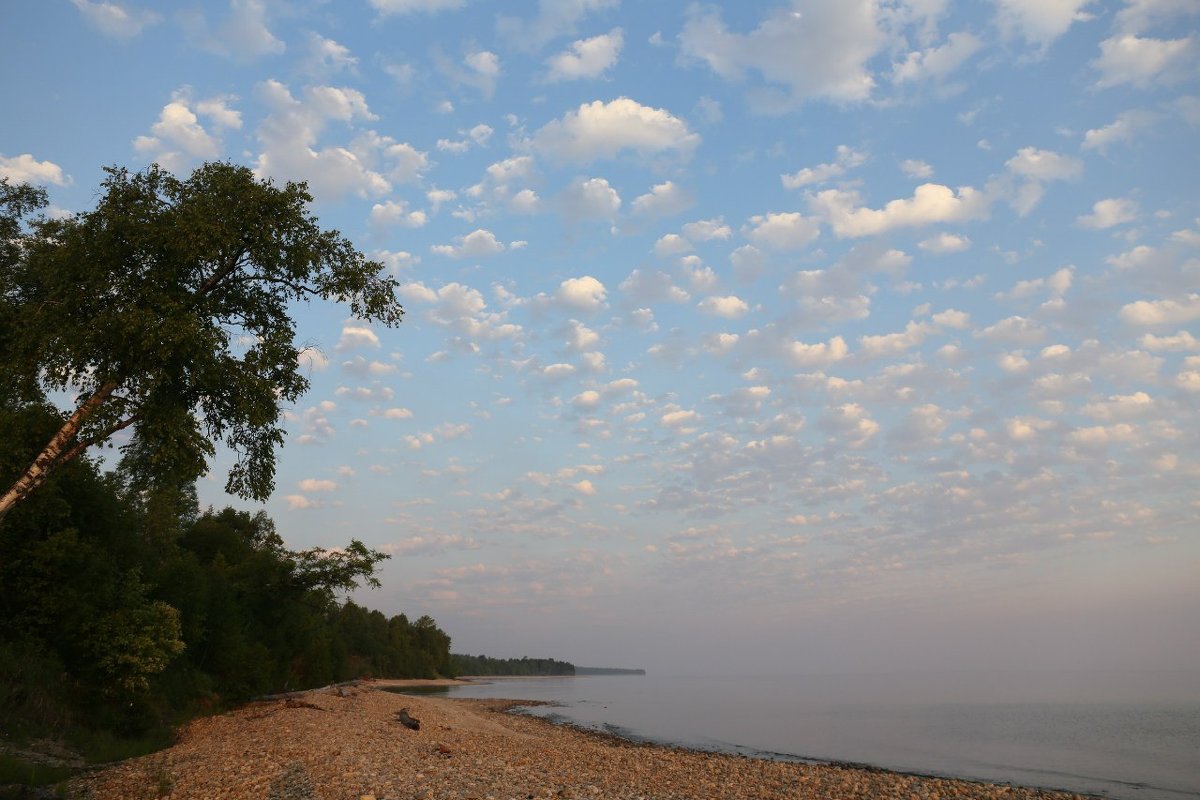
(509, 170)
(580, 337)
(652, 287)
(945, 243)
(1142, 62)
(1108, 213)
(555, 18)
(478, 243)
(587, 400)
(363, 368)
(357, 335)
(1056, 284)
(585, 293)
(852, 421)
(748, 263)
(312, 359)
(931, 203)
(325, 56)
(404, 163)
(1139, 15)
(558, 371)
(1181, 340)
(290, 133)
(387, 7)
(599, 130)
(810, 50)
(116, 20)
(1127, 406)
(706, 230)
(316, 485)
(1099, 436)
(584, 487)
(952, 318)
(1026, 429)
(671, 244)
(1188, 378)
(1040, 22)
(1014, 330)
(484, 70)
(395, 260)
(915, 168)
(730, 307)
(1044, 165)
(178, 137)
(894, 344)
(663, 200)
(782, 231)
(587, 58)
(298, 502)
(243, 36)
(395, 213)
(937, 63)
(847, 158)
(27, 169)
(677, 418)
(592, 198)
(1154, 313)
(1124, 128)
(821, 354)
(525, 201)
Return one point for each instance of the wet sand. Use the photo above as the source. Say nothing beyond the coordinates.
(333, 744)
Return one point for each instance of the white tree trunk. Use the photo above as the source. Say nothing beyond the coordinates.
(51, 456)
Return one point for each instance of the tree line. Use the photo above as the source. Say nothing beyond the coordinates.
(161, 319)
(483, 665)
(122, 607)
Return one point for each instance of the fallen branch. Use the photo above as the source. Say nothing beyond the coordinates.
(334, 687)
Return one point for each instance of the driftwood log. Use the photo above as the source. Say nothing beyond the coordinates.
(339, 688)
(408, 721)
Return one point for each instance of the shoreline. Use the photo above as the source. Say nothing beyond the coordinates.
(328, 744)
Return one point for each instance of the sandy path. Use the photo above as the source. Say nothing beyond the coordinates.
(326, 746)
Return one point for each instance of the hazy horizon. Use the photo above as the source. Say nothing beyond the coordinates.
(809, 337)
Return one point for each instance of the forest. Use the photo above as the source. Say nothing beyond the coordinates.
(135, 339)
(483, 665)
(125, 608)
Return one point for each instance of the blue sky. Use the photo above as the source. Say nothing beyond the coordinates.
(857, 335)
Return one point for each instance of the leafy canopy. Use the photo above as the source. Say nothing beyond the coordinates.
(168, 306)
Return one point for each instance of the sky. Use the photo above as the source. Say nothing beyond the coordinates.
(739, 338)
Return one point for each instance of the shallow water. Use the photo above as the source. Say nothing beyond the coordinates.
(1068, 733)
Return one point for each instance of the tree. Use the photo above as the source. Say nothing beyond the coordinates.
(165, 310)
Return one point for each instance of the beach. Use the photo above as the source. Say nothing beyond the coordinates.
(348, 742)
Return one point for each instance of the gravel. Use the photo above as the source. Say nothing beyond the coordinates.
(329, 747)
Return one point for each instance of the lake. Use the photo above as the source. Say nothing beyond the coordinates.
(1124, 736)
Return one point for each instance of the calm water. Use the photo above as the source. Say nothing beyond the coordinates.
(1058, 734)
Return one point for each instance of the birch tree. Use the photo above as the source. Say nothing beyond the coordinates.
(166, 311)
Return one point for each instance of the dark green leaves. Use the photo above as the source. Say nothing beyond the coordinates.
(154, 291)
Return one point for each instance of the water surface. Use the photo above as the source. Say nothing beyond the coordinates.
(1071, 733)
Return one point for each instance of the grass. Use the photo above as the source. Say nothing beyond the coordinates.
(23, 773)
(103, 747)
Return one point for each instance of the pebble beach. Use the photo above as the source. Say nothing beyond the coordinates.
(349, 744)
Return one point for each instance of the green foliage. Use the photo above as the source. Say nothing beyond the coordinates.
(17, 771)
(143, 306)
(483, 665)
(135, 642)
(31, 691)
(123, 608)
